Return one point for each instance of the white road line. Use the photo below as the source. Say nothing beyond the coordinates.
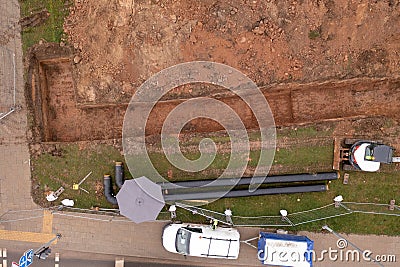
(119, 262)
(3, 253)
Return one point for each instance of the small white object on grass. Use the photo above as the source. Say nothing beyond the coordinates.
(338, 198)
(172, 208)
(50, 197)
(284, 213)
(68, 202)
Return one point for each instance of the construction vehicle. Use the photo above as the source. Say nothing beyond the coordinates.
(361, 155)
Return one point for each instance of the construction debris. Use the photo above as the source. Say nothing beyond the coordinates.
(68, 202)
(346, 178)
(51, 195)
(391, 205)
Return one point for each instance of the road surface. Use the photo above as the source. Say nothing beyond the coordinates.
(73, 259)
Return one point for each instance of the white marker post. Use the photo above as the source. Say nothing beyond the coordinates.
(4, 254)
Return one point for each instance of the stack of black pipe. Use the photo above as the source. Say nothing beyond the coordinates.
(119, 180)
(268, 185)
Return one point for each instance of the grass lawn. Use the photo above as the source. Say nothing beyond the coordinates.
(362, 187)
(52, 29)
(75, 163)
(51, 172)
(303, 159)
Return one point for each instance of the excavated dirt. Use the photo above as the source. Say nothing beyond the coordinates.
(121, 43)
(313, 60)
(60, 118)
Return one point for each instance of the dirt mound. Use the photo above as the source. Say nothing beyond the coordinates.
(121, 42)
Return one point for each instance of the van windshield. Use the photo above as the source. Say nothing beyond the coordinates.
(369, 153)
(182, 241)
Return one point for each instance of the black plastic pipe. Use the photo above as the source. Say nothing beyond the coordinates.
(289, 178)
(108, 190)
(247, 193)
(119, 174)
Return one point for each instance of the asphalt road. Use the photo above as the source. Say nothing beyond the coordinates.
(72, 259)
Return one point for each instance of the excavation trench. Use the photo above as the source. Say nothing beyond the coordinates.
(58, 116)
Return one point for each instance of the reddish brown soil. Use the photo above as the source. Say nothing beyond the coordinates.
(314, 60)
(52, 98)
(122, 43)
(64, 120)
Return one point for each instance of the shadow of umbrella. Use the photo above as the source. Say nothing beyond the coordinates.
(140, 200)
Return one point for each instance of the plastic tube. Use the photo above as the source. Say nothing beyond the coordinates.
(108, 190)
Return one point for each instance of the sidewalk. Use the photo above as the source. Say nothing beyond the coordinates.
(105, 234)
(15, 185)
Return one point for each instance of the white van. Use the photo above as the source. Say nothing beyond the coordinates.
(201, 241)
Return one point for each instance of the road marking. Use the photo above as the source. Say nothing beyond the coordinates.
(119, 262)
(3, 253)
(26, 236)
(47, 226)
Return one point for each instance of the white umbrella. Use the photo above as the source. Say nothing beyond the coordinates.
(140, 200)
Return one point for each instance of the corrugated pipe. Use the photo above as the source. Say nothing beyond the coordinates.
(108, 190)
(119, 174)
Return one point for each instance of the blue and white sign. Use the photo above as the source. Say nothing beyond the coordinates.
(26, 259)
(285, 250)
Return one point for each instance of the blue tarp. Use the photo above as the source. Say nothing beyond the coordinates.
(285, 250)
